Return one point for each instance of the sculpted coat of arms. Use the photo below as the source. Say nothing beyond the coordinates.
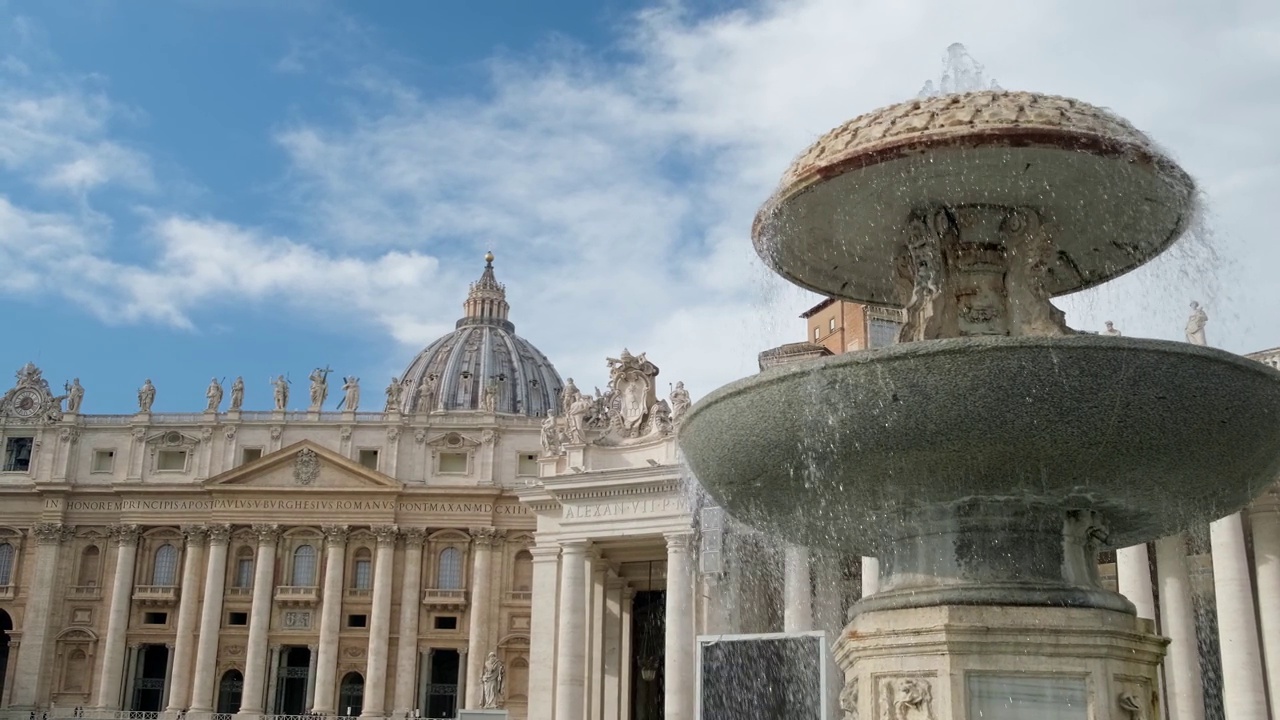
(628, 411)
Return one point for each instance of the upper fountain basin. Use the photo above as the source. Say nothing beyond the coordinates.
(1155, 435)
(838, 223)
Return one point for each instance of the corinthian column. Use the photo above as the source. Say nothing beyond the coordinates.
(30, 665)
(255, 655)
(482, 541)
(179, 684)
(542, 632)
(1178, 623)
(572, 642)
(1264, 518)
(407, 635)
(215, 579)
(375, 676)
(1243, 691)
(679, 668)
(335, 553)
(126, 537)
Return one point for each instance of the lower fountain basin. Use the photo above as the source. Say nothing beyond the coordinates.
(847, 452)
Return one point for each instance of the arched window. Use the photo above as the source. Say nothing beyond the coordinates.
(89, 566)
(522, 577)
(75, 671)
(165, 571)
(6, 564)
(362, 577)
(244, 568)
(304, 566)
(449, 572)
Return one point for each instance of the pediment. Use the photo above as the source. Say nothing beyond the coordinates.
(304, 466)
(172, 438)
(453, 441)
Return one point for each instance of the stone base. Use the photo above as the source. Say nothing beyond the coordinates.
(482, 715)
(949, 662)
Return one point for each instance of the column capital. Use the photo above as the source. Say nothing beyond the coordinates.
(545, 553)
(414, 536)
(124, 534)
(678, 542)
(487, 536)
(219, 534)
(575, 547)
(196, 535)
(53, 533)
(267, 533)
(385, 534)
(335, 535)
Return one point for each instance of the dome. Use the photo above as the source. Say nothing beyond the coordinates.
(482, 362)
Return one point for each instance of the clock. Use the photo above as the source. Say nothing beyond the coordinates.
(26, 403)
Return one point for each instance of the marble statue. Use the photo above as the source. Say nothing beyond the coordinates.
(489, 398)
(350, 393)
(578, 418)
(1111, 330)
(679, 401)
(568, 396)
(493, 683)
(237, 394)
(550, 435)
(394, 392)
(281, 392)
(214, 394)
(146, 396)
(319, 387)
(75, 395)
(426, 394)
(1195, 325)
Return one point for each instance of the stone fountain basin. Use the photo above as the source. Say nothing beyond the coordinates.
(1154, 435)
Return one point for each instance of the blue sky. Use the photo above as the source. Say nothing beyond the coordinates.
(207, 188)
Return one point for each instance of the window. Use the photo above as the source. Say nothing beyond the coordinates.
(357, 621)
(362, 578)
(369, 459)
(446, 622)
(165, 571)
(449, 572)
(817, 333)
(832, 325)
(244, 569)
(238, 618)
(17, 454)
(104, 461)
(527, 464)
(155, 618)
(248, 455)
(304, 566)
(453, 462)
(6, 564)
(882, 333)
(89, 560)
(171, 460)
(75, 671)
(522, 580)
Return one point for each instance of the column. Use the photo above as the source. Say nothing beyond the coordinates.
(542, 631)
(255, 656)
(335, 558)
(628, 595)
(1243, 691)
(1178, 623)
(29, 665)
(571, 650)
(827, 617)
(168, 674)
(613, 657)
(179, 687)
(134, 654)
(375, 675)
(215, 578)
(595, 647)
(478, 643)
(407, 635)
(273, 678)
(1265, 521)
(870, 576)
(309, 695)
(1133, 573)
(797, 612)
(126, 537)
(679, 667)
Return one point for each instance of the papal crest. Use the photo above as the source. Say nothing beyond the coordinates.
(306, 467)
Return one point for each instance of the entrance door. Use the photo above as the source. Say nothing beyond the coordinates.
(229, 691)
(442, 684)
(148, 684)
(351, 695)
(291, 681)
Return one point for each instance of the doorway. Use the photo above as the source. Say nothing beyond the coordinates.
(148, 683)
(229, 692)
(442, 683)
(351, 695)
(291, 681)
(648, 640)
(6, 624)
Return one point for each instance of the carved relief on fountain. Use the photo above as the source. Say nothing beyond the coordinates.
(906, 698)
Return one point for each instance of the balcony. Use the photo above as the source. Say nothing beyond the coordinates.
(155, 594)
(85, 592)
(359, 593)
(297, 595)
(520, 597)
(445, 599)
(8, 592)
(239, 592)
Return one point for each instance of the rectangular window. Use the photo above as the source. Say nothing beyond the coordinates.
(237, 618)
(357, 621)
(452, 462)
(446, 622)
(244, 573)
(369, 458)
(882, 333)
(155, 618)
(364, 575)
(17, 454)
(832, 325)
(817, 333)
(527, 464)
(171, 460)
(248, 455)
(104, 461)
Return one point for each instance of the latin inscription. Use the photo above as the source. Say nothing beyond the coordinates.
(661, 506)
(289, 504)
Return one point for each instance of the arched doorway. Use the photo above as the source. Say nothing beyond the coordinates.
(291, 681)
(351, 695)
(229, 690)
(6, 624)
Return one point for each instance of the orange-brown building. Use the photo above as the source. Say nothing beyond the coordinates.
(842, 326)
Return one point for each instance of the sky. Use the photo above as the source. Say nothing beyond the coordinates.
(219, 188)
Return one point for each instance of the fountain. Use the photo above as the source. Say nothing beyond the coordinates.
(987, 457)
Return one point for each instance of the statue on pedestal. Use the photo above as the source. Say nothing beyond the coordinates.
(493, 683)
(146, 396)
(75, 395)
(214, 395)
(237, 394)
(426, 394)
(1111, 330)
(568, 396)
(281, 393)
(679, 401)
(489, 398)
(550, 435)
(351, 393)
(1195, 325)
(394, 392)
(319, 387)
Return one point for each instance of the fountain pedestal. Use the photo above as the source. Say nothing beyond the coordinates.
(971, 662)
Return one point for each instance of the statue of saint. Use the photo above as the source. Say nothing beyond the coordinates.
(214, 395)
(237, 394)
(394, 392)
(578, 419)
(75, 395)
(351, 393)
(679, 401)
(281, 393)
(1111, 330)
(319, 387)
(146, 396)
(426, 399)
(493, 683)
(1195, 325)
(550, 435)
(568, 396)
(489, 398)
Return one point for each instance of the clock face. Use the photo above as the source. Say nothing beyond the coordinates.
(26, 403)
